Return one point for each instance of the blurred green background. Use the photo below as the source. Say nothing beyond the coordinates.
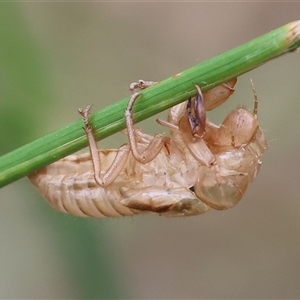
(56, 57)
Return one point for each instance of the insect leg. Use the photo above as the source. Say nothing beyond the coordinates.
(167, 124)
(195, 111)
(169, 202)
(141, 84)
(219, 94)
(119, 161)
(155, 144)
(197, 121)
(255, 108)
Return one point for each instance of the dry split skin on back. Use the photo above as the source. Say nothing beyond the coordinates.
(200, 166)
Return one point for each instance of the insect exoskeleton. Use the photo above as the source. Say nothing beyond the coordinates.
(235, 148)
(199, 167)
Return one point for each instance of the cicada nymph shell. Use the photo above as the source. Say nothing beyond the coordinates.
(199, 167)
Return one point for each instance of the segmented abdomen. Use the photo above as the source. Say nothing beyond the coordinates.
(80, 195)
(70, 187)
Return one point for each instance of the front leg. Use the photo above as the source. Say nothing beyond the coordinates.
(168, 202)
(190, 128)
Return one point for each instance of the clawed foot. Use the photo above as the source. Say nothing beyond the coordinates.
(85, 114)
(141, 85)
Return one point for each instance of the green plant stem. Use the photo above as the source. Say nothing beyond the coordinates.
(153, 100)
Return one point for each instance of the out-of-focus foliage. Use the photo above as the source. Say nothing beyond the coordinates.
(56, 57)
(70, 263)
